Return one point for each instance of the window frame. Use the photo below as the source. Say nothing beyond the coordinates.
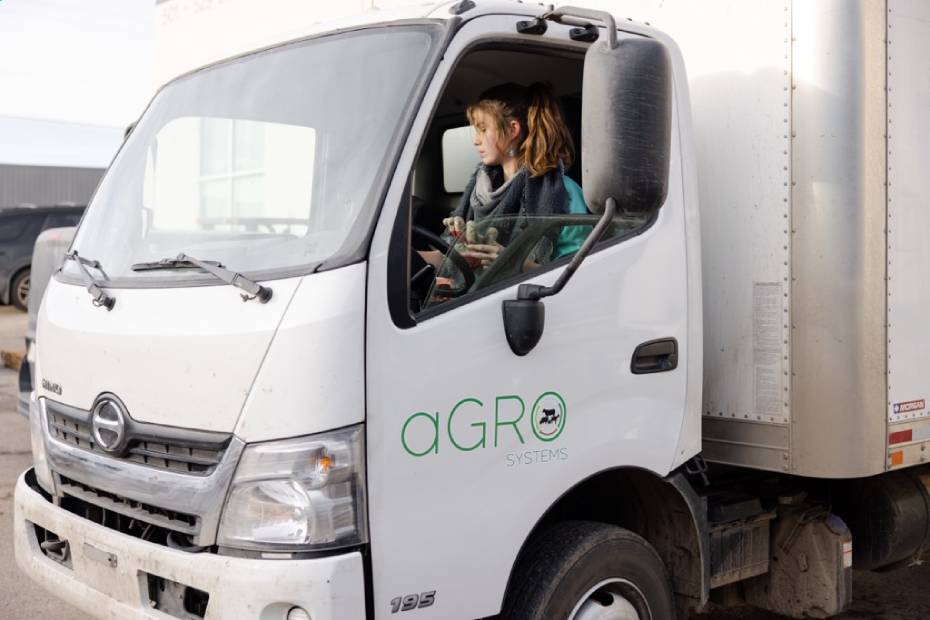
(398, 272)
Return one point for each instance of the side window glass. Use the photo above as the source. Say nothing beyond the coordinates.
(459, 158)
(12, 228)
(57, 220)
(497, 250)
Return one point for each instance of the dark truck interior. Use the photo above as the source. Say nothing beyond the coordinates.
(479, 70)
(437, 181)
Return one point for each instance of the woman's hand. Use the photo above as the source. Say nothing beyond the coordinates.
(482, 253)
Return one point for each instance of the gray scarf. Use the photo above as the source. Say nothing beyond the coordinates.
(490, 201)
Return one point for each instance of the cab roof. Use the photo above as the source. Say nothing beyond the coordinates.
(464, 10)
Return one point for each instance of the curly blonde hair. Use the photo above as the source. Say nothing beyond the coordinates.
(544, 140)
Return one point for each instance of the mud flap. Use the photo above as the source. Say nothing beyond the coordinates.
(810, 574)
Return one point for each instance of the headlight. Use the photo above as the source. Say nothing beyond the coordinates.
(305, 494)
(37, 419)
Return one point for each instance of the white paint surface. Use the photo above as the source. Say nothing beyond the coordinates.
(180, 357)
(908, 213)
(328, 588)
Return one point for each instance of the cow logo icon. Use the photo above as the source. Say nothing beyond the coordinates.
(549, 413)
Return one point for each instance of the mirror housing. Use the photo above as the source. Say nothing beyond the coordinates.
(524, 321)
(626, 117)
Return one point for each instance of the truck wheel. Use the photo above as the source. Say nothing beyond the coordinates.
(580, 570)
(19, 290)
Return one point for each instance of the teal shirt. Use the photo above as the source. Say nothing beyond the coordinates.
(571, 237)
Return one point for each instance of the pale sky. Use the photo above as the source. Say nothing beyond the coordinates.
(73, 74)
(78, 61)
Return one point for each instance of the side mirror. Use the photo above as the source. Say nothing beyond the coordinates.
(626, 124)
(626, 117)
(525, 316)
(524, 321)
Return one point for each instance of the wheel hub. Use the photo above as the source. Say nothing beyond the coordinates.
(609, 600)
(22, 291)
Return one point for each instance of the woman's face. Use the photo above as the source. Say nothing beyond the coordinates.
(491, 145)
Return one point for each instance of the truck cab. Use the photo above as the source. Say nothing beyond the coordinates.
(255, 399)
(352, 441)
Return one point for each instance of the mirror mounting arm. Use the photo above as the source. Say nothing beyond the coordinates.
(535, 292)
(525, 316)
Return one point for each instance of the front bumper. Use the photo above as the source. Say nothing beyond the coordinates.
(108, 573)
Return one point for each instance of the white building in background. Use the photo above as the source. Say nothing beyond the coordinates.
(74, 75)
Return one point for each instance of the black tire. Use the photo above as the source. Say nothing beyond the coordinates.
(19, 290)
(563, 563)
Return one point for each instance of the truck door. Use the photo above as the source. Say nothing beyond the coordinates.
(468, 443)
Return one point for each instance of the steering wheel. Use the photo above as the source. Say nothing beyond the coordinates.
(436, 242)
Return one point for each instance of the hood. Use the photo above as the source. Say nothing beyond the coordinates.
(183, 357)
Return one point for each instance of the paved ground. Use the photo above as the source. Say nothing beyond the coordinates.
(20, 598)
(902, 594)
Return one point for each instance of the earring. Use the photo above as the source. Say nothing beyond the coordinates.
(512, 152)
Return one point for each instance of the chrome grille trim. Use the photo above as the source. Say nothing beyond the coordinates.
(69, 431)
(186, 451)
(167, 454)
(201, 497)
(128, 508)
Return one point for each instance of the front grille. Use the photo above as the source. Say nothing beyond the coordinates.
(174, 454)
(167, 486)
(97, 501)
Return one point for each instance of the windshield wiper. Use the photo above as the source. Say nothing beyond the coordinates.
(93, 286)
(183, 261)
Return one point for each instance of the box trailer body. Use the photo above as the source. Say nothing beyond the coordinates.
(319, 448)
(810, 130)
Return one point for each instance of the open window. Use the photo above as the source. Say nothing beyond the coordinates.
(441, 276)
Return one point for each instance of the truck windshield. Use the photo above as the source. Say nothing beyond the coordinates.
(271, 163)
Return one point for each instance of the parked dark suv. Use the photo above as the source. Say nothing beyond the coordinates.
(19, 227)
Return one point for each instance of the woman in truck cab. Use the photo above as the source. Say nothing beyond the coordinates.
(525, 148)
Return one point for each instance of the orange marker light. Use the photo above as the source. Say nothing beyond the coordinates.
(897, 458)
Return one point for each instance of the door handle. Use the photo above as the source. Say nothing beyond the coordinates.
(655, 356)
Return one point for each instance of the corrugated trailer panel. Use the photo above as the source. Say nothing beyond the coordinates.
(833, 251)
(838, 259)
(908, 231)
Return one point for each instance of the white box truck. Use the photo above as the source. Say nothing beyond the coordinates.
(265, 406)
